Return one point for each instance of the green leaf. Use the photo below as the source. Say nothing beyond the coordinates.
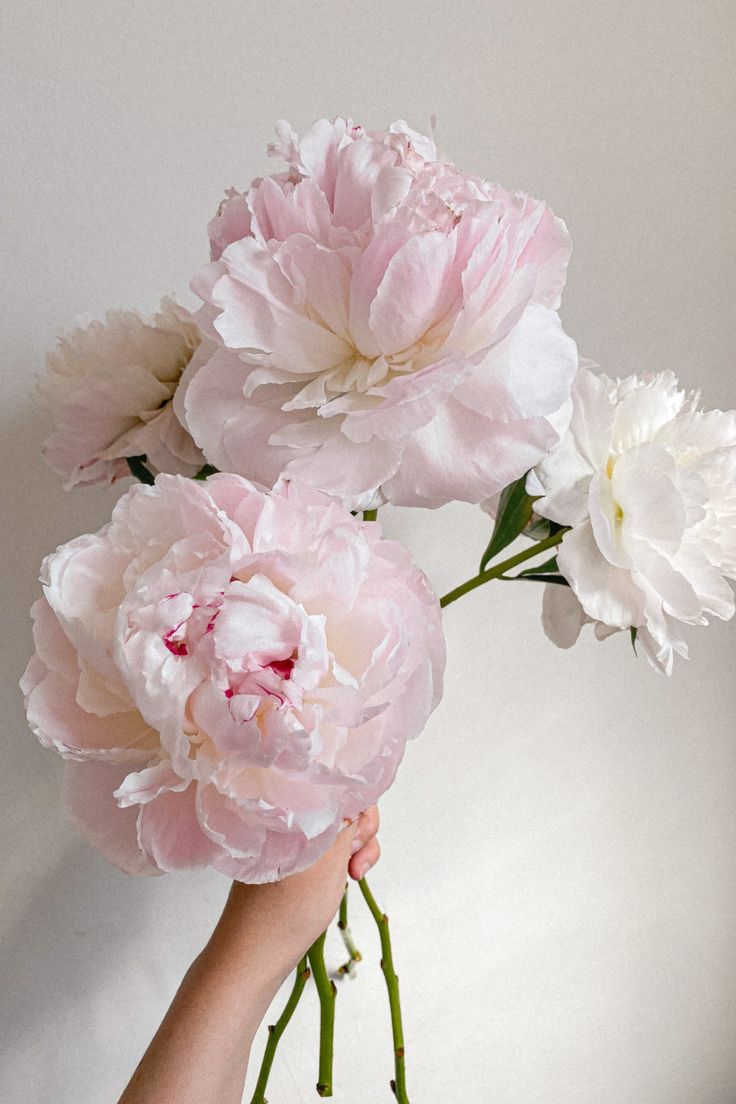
(514, 514)
(206, 472)
(549, 566)
(531, 577)
(137, 465)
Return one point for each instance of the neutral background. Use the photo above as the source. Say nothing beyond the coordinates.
(560, 847)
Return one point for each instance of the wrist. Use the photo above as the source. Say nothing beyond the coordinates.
(253, 939)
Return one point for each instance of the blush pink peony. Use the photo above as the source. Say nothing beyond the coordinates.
(229, 674)
(387, 324)
(109, 386)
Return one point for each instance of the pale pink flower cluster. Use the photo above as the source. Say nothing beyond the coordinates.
(232, 668)
(647, 483)
(386, 323)
(109, 386)
(229, 674)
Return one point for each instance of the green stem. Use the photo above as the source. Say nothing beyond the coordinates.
(398, 1085)
(354, 954)
(370, 515)
(205, 472)
(500, 569)
(137, 466)
(275, 1031)
(327, 993)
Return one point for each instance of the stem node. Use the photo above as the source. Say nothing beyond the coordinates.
(327, 991)
(354, 955)
(275, 1031)
(398, 1085)
(500, 570)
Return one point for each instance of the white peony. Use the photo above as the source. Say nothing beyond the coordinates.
(109, 386)
(647, 483)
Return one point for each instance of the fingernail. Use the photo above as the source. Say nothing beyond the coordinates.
(356, 846)
(363, 870)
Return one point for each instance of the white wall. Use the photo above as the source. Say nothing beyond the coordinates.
(560, 845)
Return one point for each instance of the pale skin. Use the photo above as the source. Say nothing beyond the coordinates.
(199, 1055)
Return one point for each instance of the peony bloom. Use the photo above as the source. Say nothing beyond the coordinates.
(648, 485)
(229, 674)
(387, 324)
(110, 385)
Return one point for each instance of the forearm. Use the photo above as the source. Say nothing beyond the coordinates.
(200, 1053)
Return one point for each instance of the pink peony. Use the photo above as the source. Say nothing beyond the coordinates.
(109, 386)
(387, 324)
(229, 674)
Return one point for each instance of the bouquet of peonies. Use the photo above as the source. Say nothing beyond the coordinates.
(232, 666)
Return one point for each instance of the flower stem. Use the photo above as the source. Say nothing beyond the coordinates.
(327, 993)
(500, 569)
(354, 954)
(275, 1031)
(370, 515)
(398, 1085)
(137, 466)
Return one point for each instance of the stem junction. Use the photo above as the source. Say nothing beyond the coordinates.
(500, 569)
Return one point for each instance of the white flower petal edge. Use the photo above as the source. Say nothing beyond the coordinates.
(647, 483)
(109, 387)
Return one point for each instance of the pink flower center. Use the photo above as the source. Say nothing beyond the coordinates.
(176, 645)
(282, 667)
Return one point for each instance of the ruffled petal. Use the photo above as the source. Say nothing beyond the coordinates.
(88, 789)
(169, 832)
(464, 456)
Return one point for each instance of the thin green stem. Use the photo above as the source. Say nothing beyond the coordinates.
(398, 1085)
(354, 954)
(500, 569)
(137, 466)
(205, 472)
(276, 1030)
(327, 993)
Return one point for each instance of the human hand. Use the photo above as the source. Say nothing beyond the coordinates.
(200, 1052)
(284, 918)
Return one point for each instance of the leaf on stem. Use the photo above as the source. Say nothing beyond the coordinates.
(548, 572)
(515, 510)
(548, 567)
(532, 577)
